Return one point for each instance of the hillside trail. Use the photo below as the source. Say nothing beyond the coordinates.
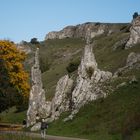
(17, 130)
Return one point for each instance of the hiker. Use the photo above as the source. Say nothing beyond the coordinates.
(44, 126)
(24, 123)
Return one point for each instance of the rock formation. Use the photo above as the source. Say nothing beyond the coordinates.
(37, 101)
(89, 81)
(61, 101)
(120, 44)
(80, 31)
(133, 61)
(134, 33)
(24, 48)
(71, 97)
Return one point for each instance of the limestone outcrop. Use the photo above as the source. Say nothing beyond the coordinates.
(24, 48)
(89, 82)
(120, 44)
(61, 101)
(133, 61)
(134, 33)
(37, 101)
(80, 31)
(70, 95)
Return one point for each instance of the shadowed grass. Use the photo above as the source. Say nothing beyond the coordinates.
(11, 116)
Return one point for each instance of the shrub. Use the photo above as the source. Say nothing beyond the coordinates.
(73, 65)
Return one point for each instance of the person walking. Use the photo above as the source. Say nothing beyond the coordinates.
(44, 126)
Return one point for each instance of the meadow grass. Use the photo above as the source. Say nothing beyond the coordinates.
(17, 137)
(11, 116)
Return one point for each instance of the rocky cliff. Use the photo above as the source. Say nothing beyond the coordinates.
(134, 33)
(80, 31)
(37, 100)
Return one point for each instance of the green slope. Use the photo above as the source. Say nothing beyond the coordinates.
(105, 119)
(111, 118)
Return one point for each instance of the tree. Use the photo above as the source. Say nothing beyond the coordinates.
(13, 79)
(34, 41)
(135, 15)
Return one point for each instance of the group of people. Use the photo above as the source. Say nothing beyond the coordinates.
(43, 127)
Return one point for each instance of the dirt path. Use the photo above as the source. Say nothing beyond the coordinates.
(36, 135)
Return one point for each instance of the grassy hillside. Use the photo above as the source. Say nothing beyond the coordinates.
(11, 116)
(107, 58)
(111, 118)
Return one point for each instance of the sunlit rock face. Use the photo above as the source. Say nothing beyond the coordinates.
(62, 98)
(134, 33)
(24, 48)
(89, 81)
(80, 31)
(37, 101)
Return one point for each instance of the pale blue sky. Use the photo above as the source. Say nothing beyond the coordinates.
(25, 19)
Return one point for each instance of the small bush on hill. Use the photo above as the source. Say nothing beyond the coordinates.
(73, 65)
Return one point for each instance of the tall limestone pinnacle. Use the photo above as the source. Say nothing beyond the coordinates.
(89, 80)
(37, 100)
